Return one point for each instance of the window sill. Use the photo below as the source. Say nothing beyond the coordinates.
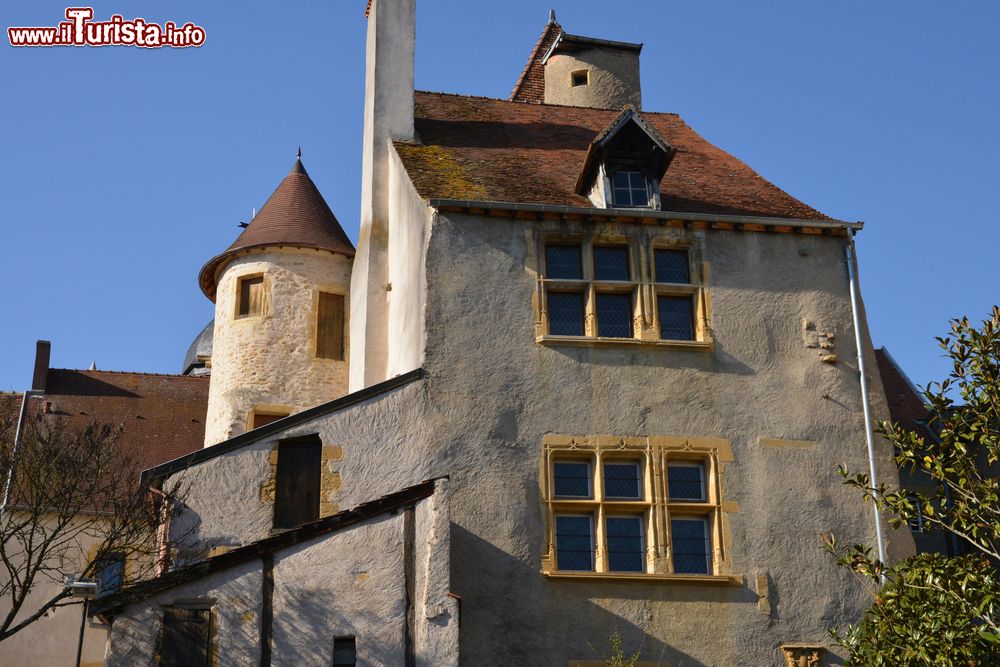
(703, 579)
(591, 341)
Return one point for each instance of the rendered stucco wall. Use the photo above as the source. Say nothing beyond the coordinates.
(352, 582)
(614, 78)
(235, 598)
(53, 638)
(270, 361)
(408, 229)
(493, 393)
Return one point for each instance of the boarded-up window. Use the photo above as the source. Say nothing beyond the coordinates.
(296, 490)
(330, 326)
(260, 419)
(345, 652)
(251, 296)
(185, 637)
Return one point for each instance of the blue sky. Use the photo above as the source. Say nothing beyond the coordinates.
(123, 170)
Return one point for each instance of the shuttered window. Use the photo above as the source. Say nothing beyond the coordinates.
(296, 491)
(330, 326)
(185, 637)
(251, 296)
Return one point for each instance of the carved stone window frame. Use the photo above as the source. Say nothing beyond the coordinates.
(653, 454)
(642, 244)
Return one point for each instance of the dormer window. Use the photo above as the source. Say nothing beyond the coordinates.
(625, 164)
(580, 78)
(630, 189)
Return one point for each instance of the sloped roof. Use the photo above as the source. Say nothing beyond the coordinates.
(268, 545)
(496, 150)
(294, 215)
(163, 415)
(905, 405)
(530, 86)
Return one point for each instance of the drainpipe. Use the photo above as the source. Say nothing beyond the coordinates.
(17, 443)
(852, 278)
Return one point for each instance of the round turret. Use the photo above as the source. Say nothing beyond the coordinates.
(280, 341)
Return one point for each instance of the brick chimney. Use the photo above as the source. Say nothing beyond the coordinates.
(39, 378)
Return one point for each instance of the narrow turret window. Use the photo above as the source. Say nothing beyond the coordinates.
(250, 295)
(330, 326)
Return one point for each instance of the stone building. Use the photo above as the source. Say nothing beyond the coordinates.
(585, 372)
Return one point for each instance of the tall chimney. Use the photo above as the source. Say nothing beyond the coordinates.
(40, 377)
(388, 116)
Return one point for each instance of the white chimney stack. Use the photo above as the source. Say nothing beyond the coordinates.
(388, 116)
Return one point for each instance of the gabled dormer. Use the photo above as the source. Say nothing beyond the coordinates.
(625, 164)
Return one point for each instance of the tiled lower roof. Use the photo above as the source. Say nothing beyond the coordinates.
(496, 150)
(163, 415)
(269, 545)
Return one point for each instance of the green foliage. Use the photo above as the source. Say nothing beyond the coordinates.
(618, 657)
(933, 609)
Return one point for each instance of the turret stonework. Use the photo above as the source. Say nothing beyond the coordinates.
(281, 293)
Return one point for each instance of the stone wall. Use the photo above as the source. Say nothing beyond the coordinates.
(269, 362)
(613, 78)
(778, 382)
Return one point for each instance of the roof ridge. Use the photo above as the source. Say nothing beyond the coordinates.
(146, 373)
(543, 104)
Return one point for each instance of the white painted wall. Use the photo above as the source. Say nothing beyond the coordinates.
(409, 227)
(388, 115)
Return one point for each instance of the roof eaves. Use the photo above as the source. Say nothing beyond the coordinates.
(268, 545)
(275, 427)
(566, 38)
(739, 222)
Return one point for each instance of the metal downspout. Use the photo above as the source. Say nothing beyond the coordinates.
(869, 437)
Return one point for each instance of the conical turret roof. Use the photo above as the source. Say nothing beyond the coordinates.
(294, 215)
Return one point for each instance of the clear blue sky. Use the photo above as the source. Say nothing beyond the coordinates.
(122, 170)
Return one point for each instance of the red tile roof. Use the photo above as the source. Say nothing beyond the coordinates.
(163, 415)
(905, 406)
(294, 215)
(475, 148)
(530, 86)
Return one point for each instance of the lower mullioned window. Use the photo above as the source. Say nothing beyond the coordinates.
(635, 506)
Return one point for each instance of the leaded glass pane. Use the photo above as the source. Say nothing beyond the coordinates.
(672, 266)
(571, 479)
(625, 544)
(614, 315)
(562, 262)
(621, 480)
(629, 189)
(574, 543)
(565, 313)
(611, 263)
(689, 540)
(676, 317)
(686, 482)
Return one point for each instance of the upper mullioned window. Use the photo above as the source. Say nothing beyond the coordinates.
(613, 291)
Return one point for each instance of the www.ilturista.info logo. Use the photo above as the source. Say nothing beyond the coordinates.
(80, 30)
